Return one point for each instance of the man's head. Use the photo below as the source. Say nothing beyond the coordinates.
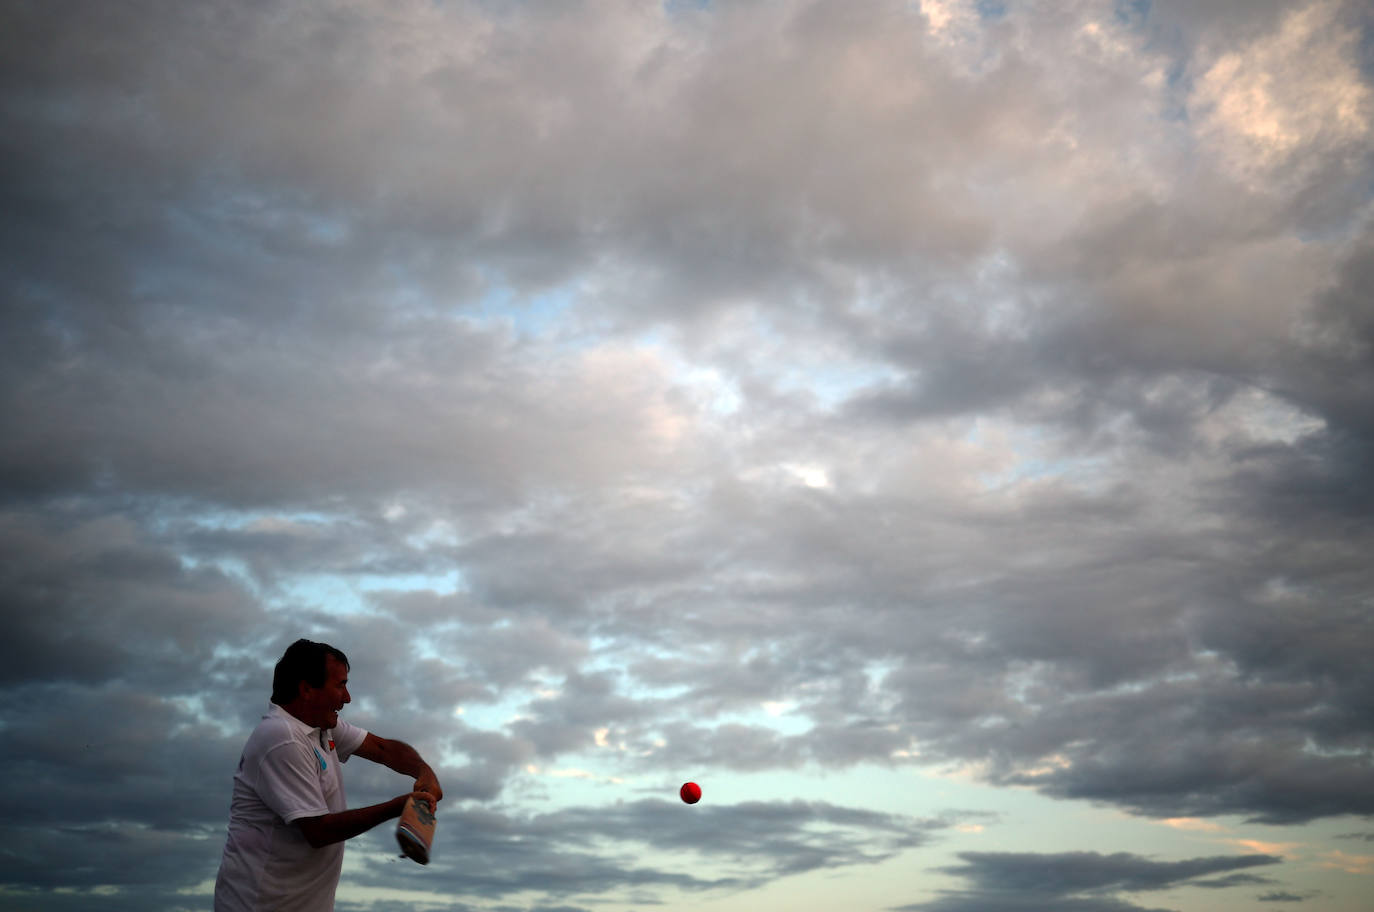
(311, 683)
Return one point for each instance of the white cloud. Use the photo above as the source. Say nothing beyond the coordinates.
(1295, 92)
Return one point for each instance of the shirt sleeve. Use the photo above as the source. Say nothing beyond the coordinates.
(289, 782)
(347, 739)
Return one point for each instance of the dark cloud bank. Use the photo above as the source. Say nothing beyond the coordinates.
(1081, 881)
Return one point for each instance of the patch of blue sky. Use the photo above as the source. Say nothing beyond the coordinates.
(780, 716)
(830, 381)
(1364, 56)
(719, 393)
(493, 717)
(877, 672)
(190, 704)
(535, 315)
(445, 583)
(1031, 459)
(1132, 13)
(990, 10)
(580, 780)
(827, 375)
(711, 386)
(238, 520)
(1174, 107)
(833, 384)
(325, 592)
(1082, 471)
(680, 7)
(345, 594)
(235, 569)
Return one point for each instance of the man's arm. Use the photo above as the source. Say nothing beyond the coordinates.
(330, 828)
(402, 758)
(394, 755)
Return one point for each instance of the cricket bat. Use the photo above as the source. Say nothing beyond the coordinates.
(415, 832)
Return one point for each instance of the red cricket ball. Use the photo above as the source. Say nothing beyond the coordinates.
(690, 792)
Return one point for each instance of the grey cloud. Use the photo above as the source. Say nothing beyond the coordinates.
(1230, 880)
(79, 580)
(790, 837)
(300, 446)
(1074, 880)
(1366, 837)
(497, 855)
(106, 899)
(119, 789)
(565, 723)
(114, 773)
(1077, 872)
(1011, 903)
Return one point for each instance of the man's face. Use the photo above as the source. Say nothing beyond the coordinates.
(322, 704)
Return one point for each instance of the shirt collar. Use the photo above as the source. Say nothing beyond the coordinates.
(297, 725)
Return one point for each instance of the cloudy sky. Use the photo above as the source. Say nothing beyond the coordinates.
(944, 430)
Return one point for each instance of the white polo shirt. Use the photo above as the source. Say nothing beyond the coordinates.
(288, 770)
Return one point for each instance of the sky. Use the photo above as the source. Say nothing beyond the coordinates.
(943, 430)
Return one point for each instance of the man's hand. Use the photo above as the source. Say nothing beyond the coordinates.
(429, 783)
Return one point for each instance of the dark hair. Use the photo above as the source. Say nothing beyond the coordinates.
(304, 660)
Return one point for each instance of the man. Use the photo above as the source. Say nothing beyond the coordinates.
(288, 818)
